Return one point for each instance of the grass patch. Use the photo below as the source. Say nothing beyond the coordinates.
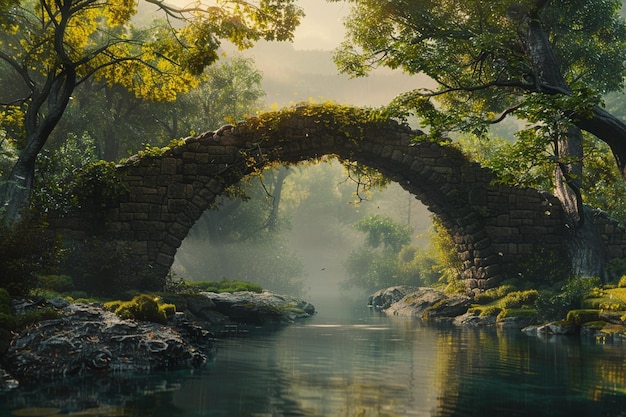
(519, 299)
(226, 286)
(611, 299)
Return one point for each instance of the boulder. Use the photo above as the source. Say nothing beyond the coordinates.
(259, 308)
(474, 320)
(448, 308)
(383, 299)
(416, 302)
(7, 382)
(87, 339)
(515, 322)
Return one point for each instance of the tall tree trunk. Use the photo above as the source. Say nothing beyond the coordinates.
(568, 174)
(586, 250)
(16, 191)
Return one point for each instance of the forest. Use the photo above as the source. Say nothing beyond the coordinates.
(531, 90)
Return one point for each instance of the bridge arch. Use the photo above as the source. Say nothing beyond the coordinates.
(495, 227)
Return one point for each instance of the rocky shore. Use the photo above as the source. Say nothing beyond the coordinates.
(87, 339)
(432, 305)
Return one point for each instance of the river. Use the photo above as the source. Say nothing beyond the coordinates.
(359, 363)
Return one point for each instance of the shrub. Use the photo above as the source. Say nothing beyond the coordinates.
(57, 283)
(7, 320)
(622, 282)
(27, 250)
(98, 185)
(553, 306)
(142, 307)
(104, 268)
(545, 266)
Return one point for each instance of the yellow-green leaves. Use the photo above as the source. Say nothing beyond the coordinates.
(119, 12)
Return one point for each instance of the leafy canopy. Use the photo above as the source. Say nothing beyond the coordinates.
(477, 53)
(48, 45)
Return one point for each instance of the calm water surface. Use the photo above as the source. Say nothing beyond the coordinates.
(362, 364)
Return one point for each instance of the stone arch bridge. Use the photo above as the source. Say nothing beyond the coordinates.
(496, 228)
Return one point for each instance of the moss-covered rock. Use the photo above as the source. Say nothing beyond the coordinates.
(142, 307)
(579, 317)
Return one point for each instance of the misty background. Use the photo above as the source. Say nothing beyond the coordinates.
(317, 231)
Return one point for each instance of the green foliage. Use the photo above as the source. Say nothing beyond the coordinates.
(448, 263)
(27, 250)
(104, 268)
(545, 267)
(7, 320)
(98, 185)
(533, 166)
(226, 286)
(383, 231)
(551, 305)
(476, 63)
(56, 172)
(57, 283)
(68, 180)
(142, 307)
(49, 50)
(350, 121)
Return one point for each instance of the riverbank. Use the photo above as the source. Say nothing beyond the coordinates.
(432, 305)
(85, 338)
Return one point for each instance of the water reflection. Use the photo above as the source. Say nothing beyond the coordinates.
(370, 366)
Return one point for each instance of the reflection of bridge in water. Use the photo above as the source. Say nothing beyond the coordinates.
(496, 228)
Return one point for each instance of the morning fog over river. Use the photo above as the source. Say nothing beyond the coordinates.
(351, 361)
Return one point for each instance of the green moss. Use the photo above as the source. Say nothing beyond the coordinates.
(490, 311)
(224, 285)
(142, 307)
(579, 317)
(518, 312)
(493, 294)
(518, 299)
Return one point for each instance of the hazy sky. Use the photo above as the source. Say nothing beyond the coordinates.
(322, 27)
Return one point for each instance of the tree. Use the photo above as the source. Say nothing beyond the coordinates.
(544, 61)
(55, 46)
(120, 122)
(227, 93)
